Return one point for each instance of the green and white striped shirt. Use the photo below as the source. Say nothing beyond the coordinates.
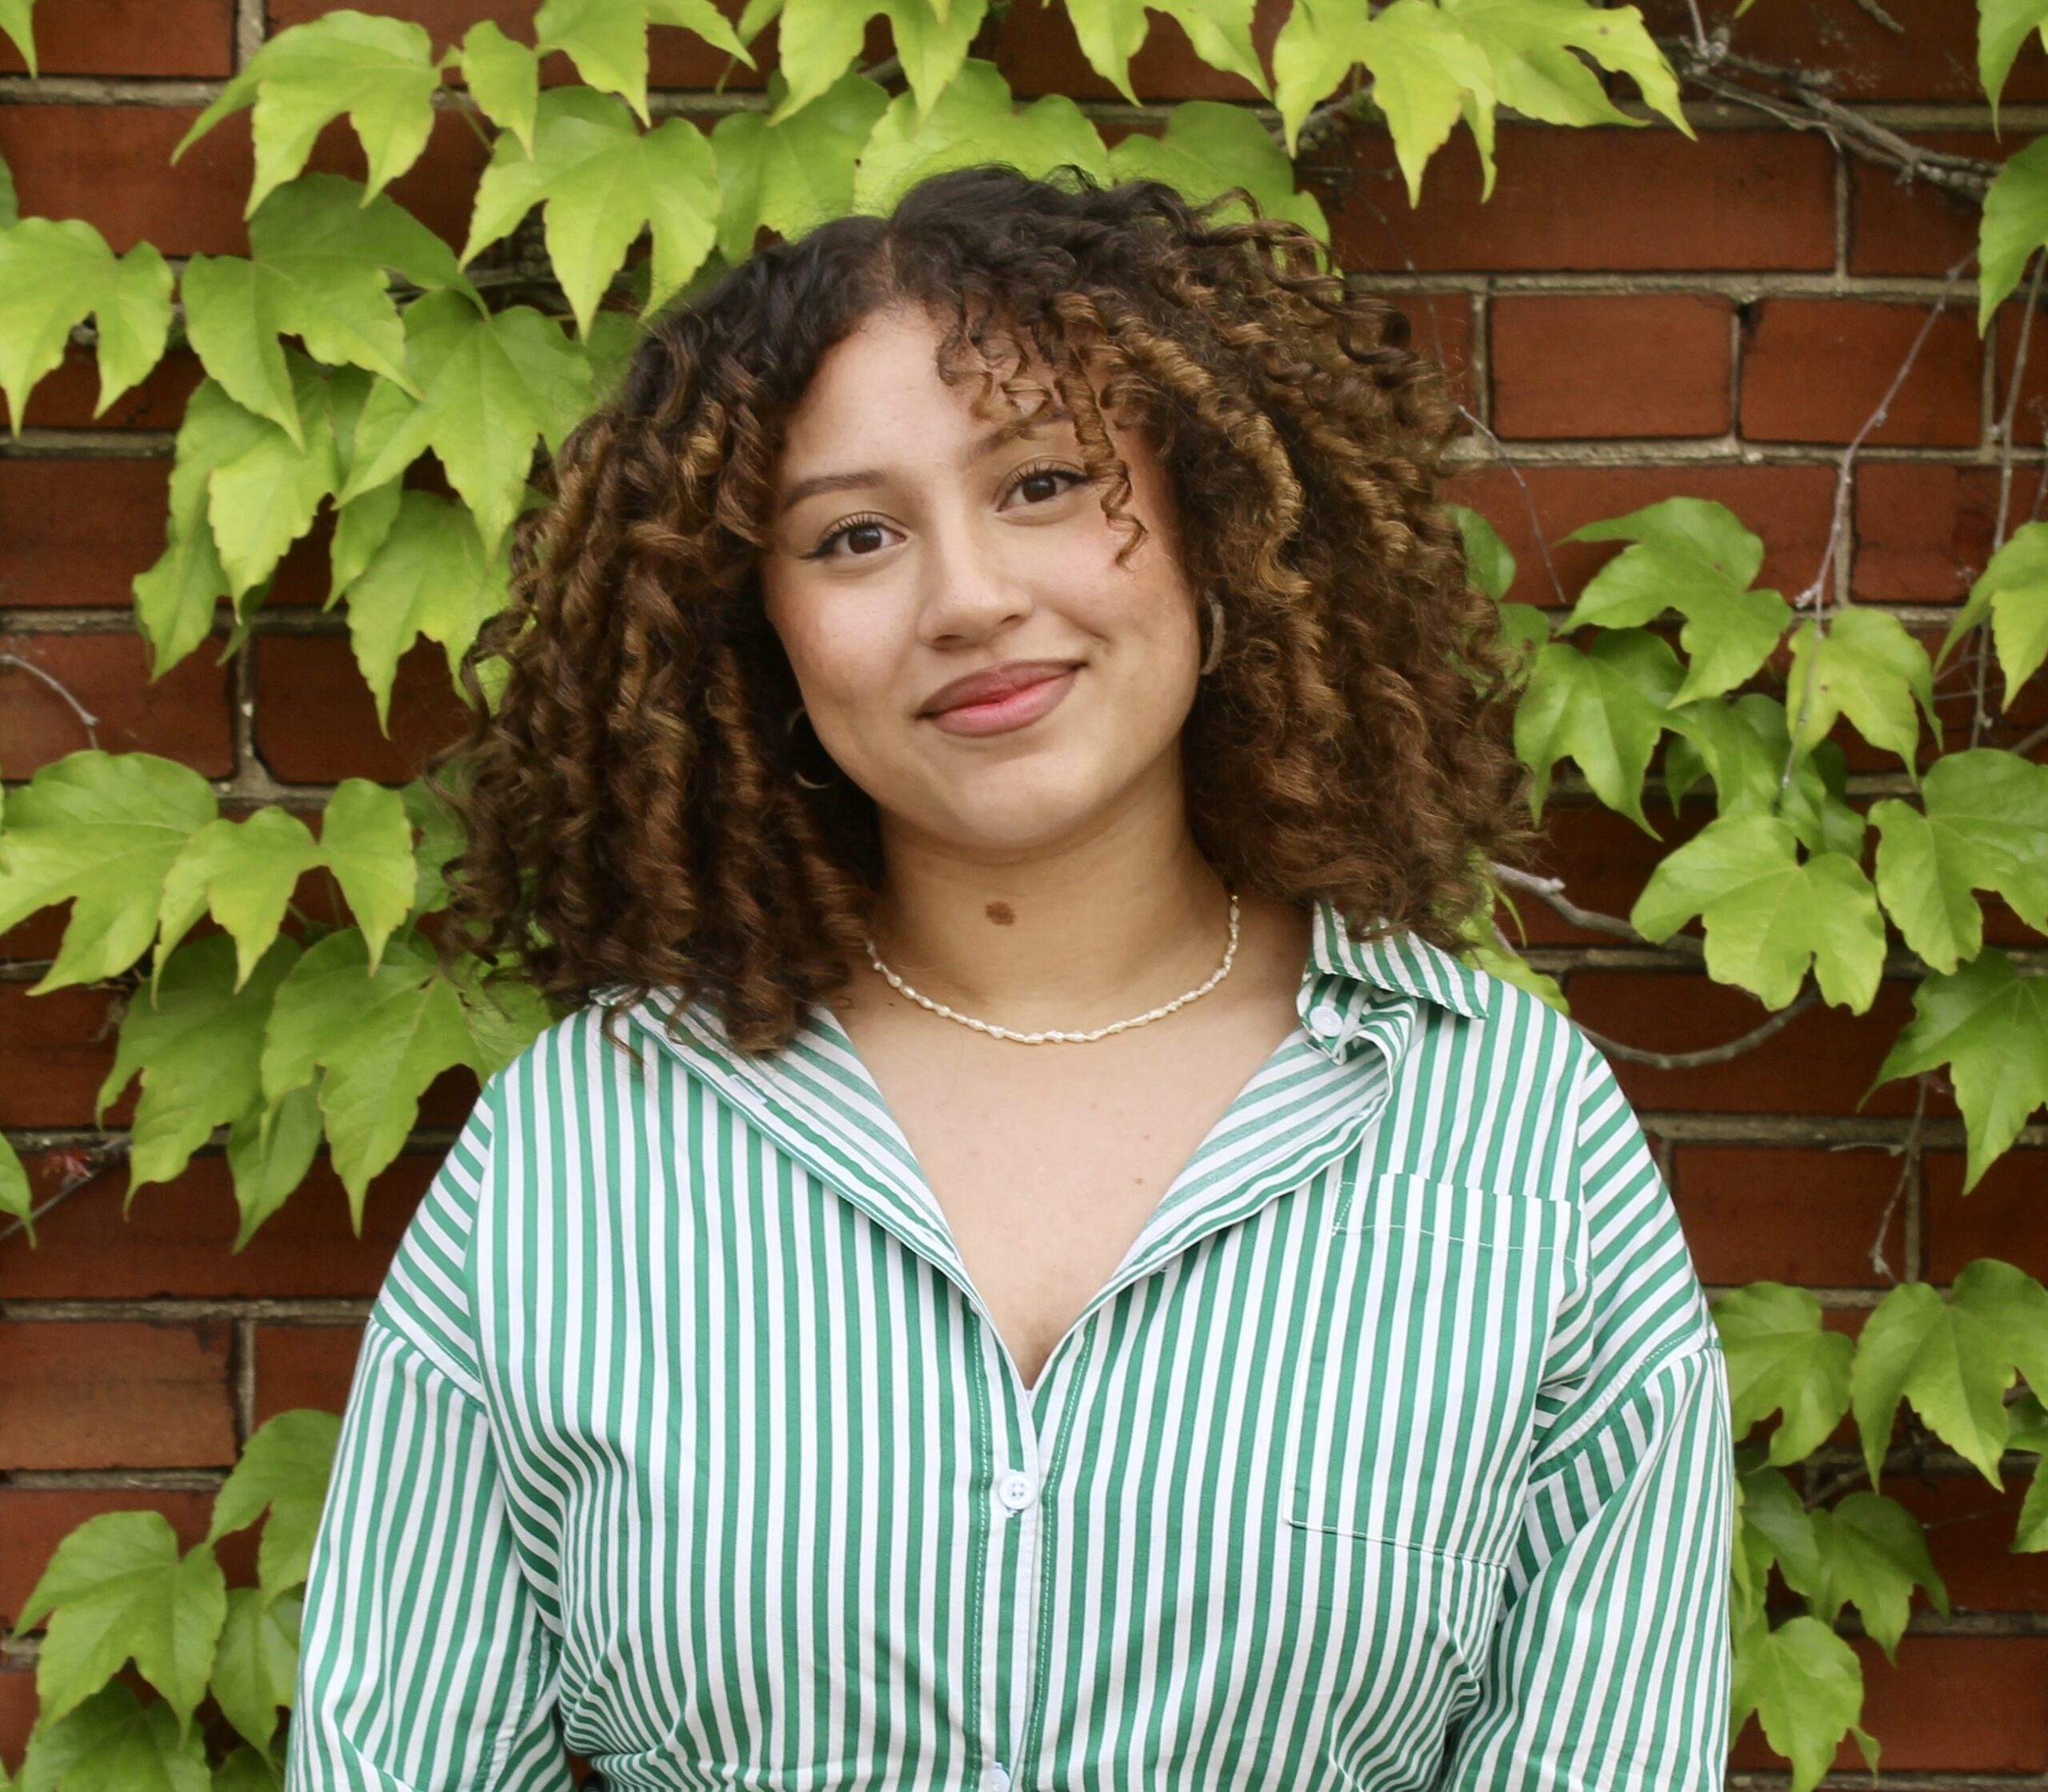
(1395, 1453)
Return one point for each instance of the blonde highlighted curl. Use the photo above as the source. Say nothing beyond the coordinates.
(632, 816)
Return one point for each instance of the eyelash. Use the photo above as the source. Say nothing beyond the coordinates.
(1036, 470)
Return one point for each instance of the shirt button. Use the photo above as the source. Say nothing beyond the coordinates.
(1326, 1020)
(995, 1777)
(1016, 1492)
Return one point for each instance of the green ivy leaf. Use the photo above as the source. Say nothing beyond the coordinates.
(1695, 557)
(1805, 1687)
(796, 175)
(2015, 225)
(1780, 1359)
(197, 1046)
(973, 121)
(2030, 1432)
(430, 575)
(257, 1663)
(1742, 746)
(382, 1036)
(820, 39)
(264, 497)
(1767, 915)
(1110, 32)
(14, 20)
(270, 1157)
(1954, 1359)
(11, 203)
(601, 182)
(380, 71)
(2002, 26)
(1489, 561)
(1776, 1527)
(285, 1469)
(112, 1742)
(56, 272)
(1865, 666)
(15, 1195)
(491, 384)
(244, 1770)
(367, 842)
(101, 830)
(1988, 1025)
(1530, 45)
(441, 838)
(117, 1588)
(607, 39)
(1605, 708)
(503, 76)
(243, 874)
(1208, 150)
(1876, 1553)
(2012, 591)
(1984, 827)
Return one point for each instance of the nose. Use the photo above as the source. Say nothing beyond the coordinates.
(971, 587)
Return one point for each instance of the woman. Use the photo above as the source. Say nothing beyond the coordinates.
(1027, 1261)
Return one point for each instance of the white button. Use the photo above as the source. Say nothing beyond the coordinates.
(1016, 1492)
(1326, 1020)
(995, 1777)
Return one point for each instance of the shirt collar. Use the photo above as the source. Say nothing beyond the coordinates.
(1401, 963)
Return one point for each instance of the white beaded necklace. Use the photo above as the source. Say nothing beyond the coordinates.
(1057, 1038)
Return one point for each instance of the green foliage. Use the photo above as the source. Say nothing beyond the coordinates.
(352, 343)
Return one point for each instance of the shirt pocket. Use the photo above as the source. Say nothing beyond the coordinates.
(1424, 1364)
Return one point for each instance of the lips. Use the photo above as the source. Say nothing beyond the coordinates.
(997, 682)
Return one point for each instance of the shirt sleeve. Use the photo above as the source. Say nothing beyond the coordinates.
(424, 1664)
(1611, 1666)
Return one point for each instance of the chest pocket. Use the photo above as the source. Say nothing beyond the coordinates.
(1436, 1316)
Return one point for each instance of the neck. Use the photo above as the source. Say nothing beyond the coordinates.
(1079, 939)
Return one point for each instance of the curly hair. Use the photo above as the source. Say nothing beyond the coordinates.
(632, 814)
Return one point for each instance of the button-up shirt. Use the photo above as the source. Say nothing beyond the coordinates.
(1395, 1454)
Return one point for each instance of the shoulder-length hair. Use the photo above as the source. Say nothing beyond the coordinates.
(633, 818)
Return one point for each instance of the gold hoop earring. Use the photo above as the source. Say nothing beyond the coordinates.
(1214, 657)
(788, 729)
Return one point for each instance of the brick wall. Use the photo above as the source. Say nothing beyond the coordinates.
(1635, 315)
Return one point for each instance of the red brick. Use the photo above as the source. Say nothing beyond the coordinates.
(2030, 418)
(19, 1709)
(1440, 326)
(1607, 198)
(111, 165)
(1814, 369)
(178, 1237)
(1971, 1539)
(316, 722)
(80, 531)
(130, 37)
(1956, 1704)
(1757, 1213)
(181, 715)
(1789, 507)
(55, 1050)
(35, 1520)
(1923, 531)
(65, 397)
(1652, 364)
(1820, 1063)
(2003, 1216)
(1605, 860)
(1935, 56)
(80, 1394)
(1900, 226)
(304, 1367)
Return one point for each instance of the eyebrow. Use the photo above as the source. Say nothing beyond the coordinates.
(819, 482)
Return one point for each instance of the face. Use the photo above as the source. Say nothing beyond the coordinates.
(913, 547)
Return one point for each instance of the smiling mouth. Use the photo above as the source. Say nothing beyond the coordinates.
(1013, 709)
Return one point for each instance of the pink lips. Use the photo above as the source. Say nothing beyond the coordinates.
(1000, 715)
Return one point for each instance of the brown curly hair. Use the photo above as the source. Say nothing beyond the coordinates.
(631, 815)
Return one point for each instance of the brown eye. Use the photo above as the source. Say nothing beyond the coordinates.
(864, 538)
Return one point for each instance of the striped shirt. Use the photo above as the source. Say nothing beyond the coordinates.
(1395, 1454)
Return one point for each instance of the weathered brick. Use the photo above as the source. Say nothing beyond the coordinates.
(2002, 1217)
(35, 1520)
(55, 1050)
(1604, 859)
(1923, 530)
(1972, 1548)
(1788, 507)
(1820, 1063)
(178, 1237)
(316, 720)
(1035, 47)
(1898, 224)
(1962, 1704)
(65, 396)
(304, 1367)
(1742, 1228)
(1610, 197)
(1814, 369)
(182, 715)
(2030, 418)
(1646, 364)
(1440, 326)
(130, 37)
(84, 1394)
(80, 531)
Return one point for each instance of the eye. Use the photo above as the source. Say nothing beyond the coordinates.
(1040, 482)
(863, 536)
